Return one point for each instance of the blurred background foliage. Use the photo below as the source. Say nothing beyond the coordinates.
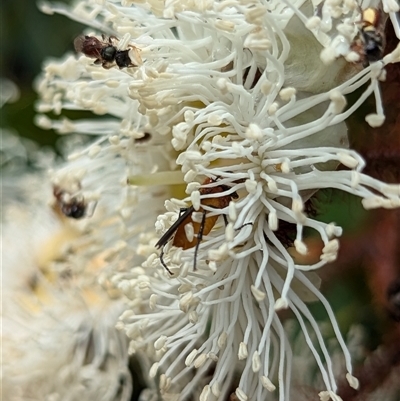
(28, 37)
(356, 285)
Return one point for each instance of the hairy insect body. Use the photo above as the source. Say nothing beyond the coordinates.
(105, 52)
(370, 42)
(74, 207)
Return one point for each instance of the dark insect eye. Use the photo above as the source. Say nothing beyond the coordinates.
(75, 211)
(108, 53)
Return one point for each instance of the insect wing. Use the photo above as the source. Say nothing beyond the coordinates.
(171, 231)
(78, 44)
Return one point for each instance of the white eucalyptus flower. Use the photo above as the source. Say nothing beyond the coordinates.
(58, 337)
(226, 99)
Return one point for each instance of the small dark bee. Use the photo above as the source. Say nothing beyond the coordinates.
(105, 52)
(200, 228)
(370, 41)
(71, 206)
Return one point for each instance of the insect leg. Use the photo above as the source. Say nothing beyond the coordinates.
(199, 237)
(162, 261)
(244, 225)
(236, 229)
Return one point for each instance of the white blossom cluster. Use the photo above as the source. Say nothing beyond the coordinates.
(59, 340)
(224, 98)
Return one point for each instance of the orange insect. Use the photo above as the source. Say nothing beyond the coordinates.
(199, 228)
